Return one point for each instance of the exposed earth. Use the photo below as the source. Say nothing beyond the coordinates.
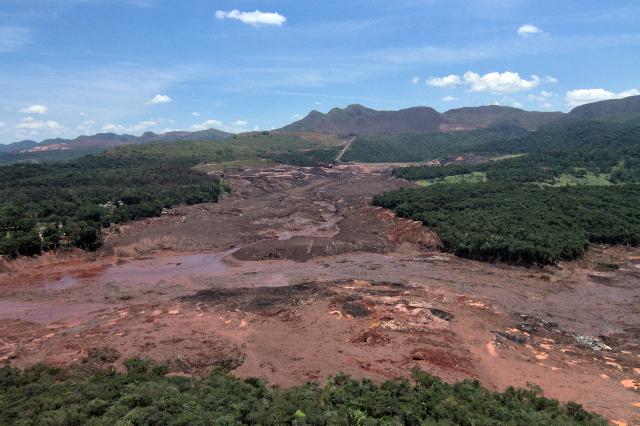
(294, 277)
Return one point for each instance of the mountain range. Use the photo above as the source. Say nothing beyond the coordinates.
(110, 140)
(352, 120)
(357, 119)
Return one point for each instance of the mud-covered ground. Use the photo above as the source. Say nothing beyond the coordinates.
(294, 277)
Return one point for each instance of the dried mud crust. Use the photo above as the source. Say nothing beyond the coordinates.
(366, 229)
(168, 289)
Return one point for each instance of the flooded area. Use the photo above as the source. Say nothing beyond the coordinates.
(295, 277)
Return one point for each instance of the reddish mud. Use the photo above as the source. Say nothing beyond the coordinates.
(293, 278)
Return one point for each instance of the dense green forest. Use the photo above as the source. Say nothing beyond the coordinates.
(145, 396)
(65, 204)
(522, 224)
(577, 183)
(44, 206)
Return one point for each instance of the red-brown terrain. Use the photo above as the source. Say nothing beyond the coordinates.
(294, 277)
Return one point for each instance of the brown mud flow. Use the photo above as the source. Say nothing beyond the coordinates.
(295, 278)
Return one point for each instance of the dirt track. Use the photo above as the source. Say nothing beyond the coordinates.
(294, 278)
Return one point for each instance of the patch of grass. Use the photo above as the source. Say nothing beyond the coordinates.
(474, 177)
(587, 178)
(506, 157)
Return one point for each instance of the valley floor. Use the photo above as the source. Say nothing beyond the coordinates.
(295, 278)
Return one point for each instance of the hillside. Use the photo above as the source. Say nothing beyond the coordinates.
(614, 108)
(495, 115)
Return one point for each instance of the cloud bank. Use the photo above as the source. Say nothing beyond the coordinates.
(584, 96)
(494, 82)
(30, 123)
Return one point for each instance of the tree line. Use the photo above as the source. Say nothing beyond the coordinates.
(145, 395)
(522, 224)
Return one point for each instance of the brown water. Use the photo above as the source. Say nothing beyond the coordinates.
(166, 268)
(141, 271)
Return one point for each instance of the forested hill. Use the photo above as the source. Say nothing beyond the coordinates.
(612, 109)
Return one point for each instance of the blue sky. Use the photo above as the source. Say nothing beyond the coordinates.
(70, 67)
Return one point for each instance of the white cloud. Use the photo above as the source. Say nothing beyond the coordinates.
(256, 18)
(2, 124)
(447, 81)
(495, 82)
(241, 123)
(296, 116)
(159, 99)
(415, 80)
(449, 98)
(84, 114)
(143, 125)
(627, 93)
(542, 96)
(35, 109)
(136, 128)
(584, 96)
(31, 123)
(527, 30)
(207, 125)
(517, 105)
(110, 127)
(195, 114)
